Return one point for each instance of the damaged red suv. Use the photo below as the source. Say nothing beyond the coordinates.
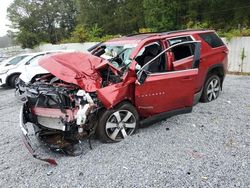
(121, 84)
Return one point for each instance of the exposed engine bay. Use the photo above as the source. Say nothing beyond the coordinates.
(62, 113)
(65, 105)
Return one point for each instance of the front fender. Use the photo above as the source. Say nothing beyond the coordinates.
(111, 95)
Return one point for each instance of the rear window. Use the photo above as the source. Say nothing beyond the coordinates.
(212, 39)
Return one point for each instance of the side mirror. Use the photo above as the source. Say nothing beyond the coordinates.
(142, 76)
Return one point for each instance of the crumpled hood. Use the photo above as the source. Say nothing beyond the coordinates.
(77, 68)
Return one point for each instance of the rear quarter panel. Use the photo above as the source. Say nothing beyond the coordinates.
(209, 58)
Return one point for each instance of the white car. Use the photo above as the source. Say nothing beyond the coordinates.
(8, 72)
(12, 69)
(34, 69)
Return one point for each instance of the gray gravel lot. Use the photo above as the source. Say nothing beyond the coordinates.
(207, 148)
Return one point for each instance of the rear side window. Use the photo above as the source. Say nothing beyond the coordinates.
(179, 40)
(183, 51)
(212, 39)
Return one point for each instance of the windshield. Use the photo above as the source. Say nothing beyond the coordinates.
(118, 55)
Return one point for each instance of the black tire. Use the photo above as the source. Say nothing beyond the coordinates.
(211, 91)
(13, 80)
(124, 109)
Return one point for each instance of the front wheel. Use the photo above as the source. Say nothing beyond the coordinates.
(13, 80)
(118, 123)
(211, 89)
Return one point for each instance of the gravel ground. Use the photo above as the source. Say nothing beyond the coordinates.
(207, 148)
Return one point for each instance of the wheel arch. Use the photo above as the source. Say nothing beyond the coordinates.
(117, 105)
(217, 69)
(100, 129)
(123, 102)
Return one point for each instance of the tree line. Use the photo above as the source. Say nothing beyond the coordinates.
(56, 21)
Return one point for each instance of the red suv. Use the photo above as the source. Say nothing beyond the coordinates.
(121, 84)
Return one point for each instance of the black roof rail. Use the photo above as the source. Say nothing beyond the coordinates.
(167, 32)
(183, 30)
(135, 34)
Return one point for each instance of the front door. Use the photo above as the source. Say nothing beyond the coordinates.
(166, 91)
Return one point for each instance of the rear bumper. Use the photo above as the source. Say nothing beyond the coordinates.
(27, 141)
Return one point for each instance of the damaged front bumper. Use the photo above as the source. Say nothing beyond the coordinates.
(61, 114)
(27, 141)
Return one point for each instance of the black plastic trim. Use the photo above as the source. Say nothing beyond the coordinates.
(164, 115)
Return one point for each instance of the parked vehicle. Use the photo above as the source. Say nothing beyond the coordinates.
(123, 83)
(15, 66)
(2, 59)
(32, 69)
(8, 73)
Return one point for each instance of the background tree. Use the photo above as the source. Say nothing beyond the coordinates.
(54, 21)
(42, 20)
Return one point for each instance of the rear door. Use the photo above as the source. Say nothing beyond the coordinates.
(156, 93)
(182, 54)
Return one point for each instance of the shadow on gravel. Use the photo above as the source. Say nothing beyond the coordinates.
(6, 88)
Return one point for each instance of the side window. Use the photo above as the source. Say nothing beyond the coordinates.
(16, 60)
(189, 63)
(212, 39)
(183, 51)
(147, 54)
(34, 61)
(179, 40)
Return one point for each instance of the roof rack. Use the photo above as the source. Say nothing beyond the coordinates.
(183, 30)
(166, 33)
(135, 34)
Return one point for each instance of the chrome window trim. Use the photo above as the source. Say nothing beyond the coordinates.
(163, 73)
(181, 36)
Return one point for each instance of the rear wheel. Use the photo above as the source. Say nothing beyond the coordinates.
(212, 88)
(118, 123)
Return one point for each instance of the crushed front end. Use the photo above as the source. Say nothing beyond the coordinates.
(60, 113)
(63, 106)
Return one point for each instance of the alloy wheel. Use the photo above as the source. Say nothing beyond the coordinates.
(213, 89)
(120, 124)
